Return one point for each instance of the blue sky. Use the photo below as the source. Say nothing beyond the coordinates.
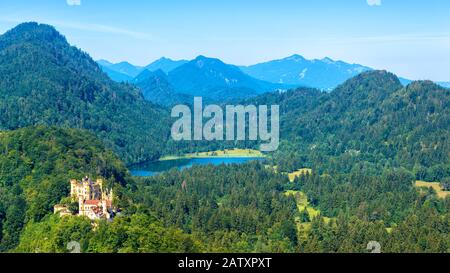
(408, 37)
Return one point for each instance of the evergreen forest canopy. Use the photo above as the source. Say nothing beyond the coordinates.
(44, 80)
(368, 124)
(367, 142)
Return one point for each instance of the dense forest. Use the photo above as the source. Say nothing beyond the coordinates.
(366, 142)
(35, 167)
(227, 208)
(245, 208)
(369, 124)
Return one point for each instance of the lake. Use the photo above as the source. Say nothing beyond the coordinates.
(157, 167)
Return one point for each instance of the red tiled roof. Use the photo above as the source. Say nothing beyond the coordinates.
(92, 202)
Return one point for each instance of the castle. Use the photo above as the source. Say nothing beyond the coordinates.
(94, 201)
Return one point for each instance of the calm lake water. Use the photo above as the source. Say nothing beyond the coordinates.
(154, 168)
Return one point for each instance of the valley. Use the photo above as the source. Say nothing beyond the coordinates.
(349, 168)
(219, 157)
(161, 82)
(236, 153)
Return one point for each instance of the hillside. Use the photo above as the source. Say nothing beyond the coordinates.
(296, 70)
(44, 80)
(156, 88)
(370, 122)
(36, 166)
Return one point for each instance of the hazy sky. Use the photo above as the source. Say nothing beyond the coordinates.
(408, 37)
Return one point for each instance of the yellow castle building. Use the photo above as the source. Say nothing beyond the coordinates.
(94, 201)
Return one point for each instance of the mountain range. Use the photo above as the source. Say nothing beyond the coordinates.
(288, 72)
(212, 78)
(165, 64)
(296, 70)
(207, 77)
(216, 81)
(63, 86)
(366, 142)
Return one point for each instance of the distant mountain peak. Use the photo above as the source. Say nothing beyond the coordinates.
(209, 59)
(324, 74)
(164, 59)
(123, 71)
(201, 57)
(203, 61)
(104, 62)
(124, 63)
(328, 60)
(295, 58)
(212, 78)
(165, 64)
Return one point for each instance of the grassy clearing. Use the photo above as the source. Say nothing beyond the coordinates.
(273, 168)
(434, 185)
(293, 175)
(220, 153)
(299, 173)
(303, 204)
(300, 198)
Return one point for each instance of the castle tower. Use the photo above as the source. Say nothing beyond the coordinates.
(100, 183)
(86, 189)
(104, 207)
(80, 206)
(73, 189)
(111, 195)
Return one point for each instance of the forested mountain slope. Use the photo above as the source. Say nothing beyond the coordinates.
(44, 80)
(156, 88)
(36, 164)
(371, 121)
